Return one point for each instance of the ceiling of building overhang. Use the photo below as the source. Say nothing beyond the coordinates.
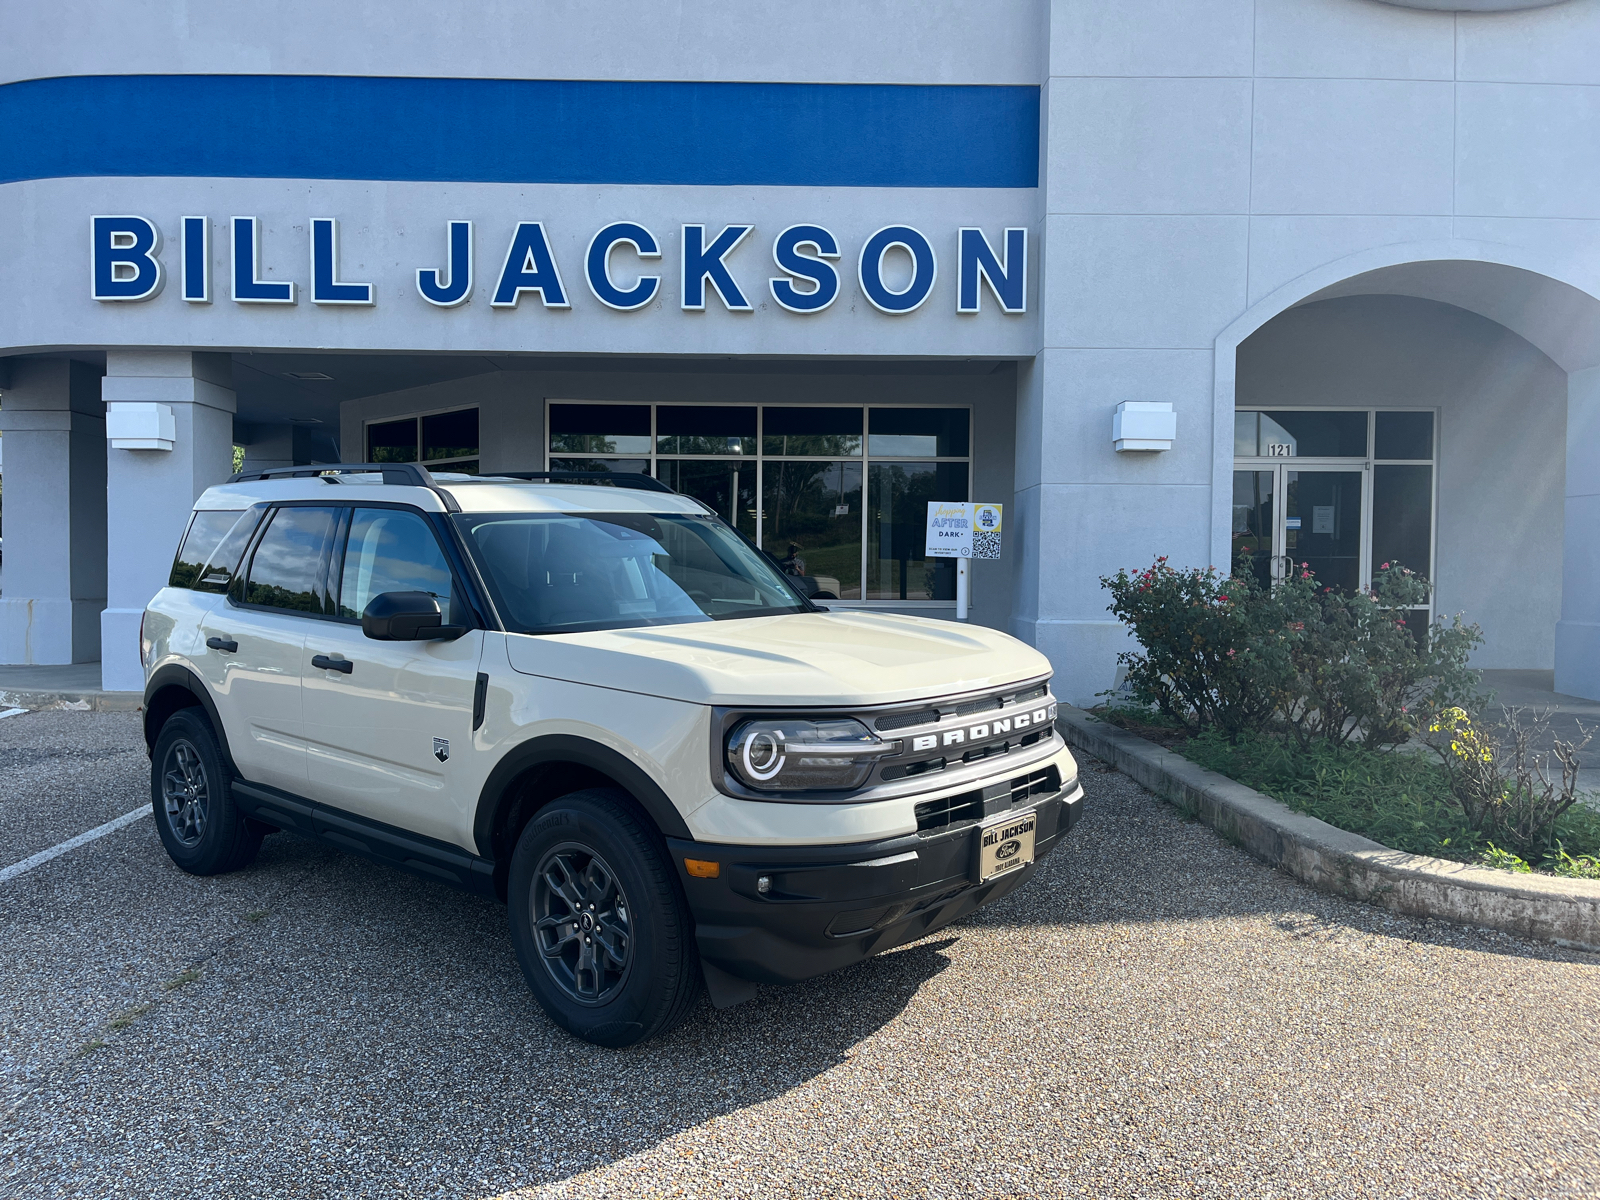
(270, 392)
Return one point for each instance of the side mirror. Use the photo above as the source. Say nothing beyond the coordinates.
(407, 617)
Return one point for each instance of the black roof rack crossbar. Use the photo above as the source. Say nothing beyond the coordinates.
(623, 479)
(402, 474)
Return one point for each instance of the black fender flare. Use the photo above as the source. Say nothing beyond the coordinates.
(174, 675)
(561, 747)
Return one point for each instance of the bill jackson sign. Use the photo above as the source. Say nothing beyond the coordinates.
(126, 265)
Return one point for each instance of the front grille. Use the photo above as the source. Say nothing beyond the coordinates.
(906, 720)
(933, 815)
(1030, 694)
(987, 704)
(936, 815)
(1037, 783)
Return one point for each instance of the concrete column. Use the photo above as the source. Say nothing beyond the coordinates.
(149, 493)
(54, 581)
(1578, 630)
(1135, 284)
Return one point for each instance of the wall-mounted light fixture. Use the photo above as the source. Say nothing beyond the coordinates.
(140, 426)
(1143, 425)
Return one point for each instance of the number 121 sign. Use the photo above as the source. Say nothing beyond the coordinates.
(958, 530)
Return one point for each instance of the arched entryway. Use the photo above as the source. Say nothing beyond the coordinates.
(1436, 404)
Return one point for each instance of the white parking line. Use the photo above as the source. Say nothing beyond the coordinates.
(56, 851)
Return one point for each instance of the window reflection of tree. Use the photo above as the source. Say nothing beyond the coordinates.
(802, 508)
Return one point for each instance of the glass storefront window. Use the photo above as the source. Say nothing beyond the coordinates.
(918, 433)
(837, 494)
(1300, 433)
(450, 435)
(812, 524)
(599, 429)
(603, 466)
(728, 486)
(705, 429)
(392, 441)
(898, 566)
(1402, 516)
(1404, 435)
(822, 432)
(446, 441)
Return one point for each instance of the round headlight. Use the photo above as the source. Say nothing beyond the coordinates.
(804, 756)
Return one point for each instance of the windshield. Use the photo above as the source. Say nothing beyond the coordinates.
(559, 573)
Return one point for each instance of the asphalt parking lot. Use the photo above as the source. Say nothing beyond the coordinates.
(1157, 1015)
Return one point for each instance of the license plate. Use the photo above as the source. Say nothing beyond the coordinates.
(1006, 844)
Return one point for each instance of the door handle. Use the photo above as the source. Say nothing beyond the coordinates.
(324, 663)
(226, 645)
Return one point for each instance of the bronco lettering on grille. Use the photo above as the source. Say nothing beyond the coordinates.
(984, 731)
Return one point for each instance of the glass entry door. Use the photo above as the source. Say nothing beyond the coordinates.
(1288, 516)
(1344, 491)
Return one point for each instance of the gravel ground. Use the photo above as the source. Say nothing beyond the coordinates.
(1155, 1015)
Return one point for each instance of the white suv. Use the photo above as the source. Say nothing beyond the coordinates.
(602, 704)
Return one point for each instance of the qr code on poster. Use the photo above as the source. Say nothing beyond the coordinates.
(985, 545)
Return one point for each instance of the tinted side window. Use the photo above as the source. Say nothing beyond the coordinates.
(287, 568)
(391, 551)
(223, 565)
(205, 534)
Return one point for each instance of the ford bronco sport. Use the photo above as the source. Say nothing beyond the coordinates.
(602, 705)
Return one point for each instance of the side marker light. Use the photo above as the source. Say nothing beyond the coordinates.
(702, 868)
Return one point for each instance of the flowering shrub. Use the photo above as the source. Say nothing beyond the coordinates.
(1320, 664)
(1204, 663)
(1357, 667)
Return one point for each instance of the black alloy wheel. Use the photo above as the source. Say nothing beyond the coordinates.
(580, 918)
(599, 921)
(202, 829)
(185, 792)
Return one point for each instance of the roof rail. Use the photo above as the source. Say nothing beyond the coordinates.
(403, 474)
(636, 480)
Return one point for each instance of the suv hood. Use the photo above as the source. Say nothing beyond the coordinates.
(837, 658)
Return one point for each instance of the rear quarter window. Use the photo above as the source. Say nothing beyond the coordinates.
(211, 549)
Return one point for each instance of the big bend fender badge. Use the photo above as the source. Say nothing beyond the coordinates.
(441, 749)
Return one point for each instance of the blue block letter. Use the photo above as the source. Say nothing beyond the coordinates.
(702, 262)
(197, 260)
(248, 286)
(786, 253)
(976, 263)
(458, 269)
(325, 285)
(870, 271)
(529, 267)
(597, 265)
(123, 263)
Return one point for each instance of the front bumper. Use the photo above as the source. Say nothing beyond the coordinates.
(831, 906)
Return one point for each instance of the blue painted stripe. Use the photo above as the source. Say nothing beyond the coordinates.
(520, 131)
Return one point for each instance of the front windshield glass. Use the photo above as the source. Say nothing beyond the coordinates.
(561, 573)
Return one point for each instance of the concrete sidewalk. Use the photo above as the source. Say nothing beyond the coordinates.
(76, 685)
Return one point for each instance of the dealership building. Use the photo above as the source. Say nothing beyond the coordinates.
(1239, 282)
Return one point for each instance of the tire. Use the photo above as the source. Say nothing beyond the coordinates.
(599, 922)
(201, 827)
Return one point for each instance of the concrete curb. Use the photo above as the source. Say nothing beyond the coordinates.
(79, 701)
(1564, 911)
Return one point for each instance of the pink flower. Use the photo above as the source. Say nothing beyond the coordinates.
(1385, 567)
(1221, 597)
